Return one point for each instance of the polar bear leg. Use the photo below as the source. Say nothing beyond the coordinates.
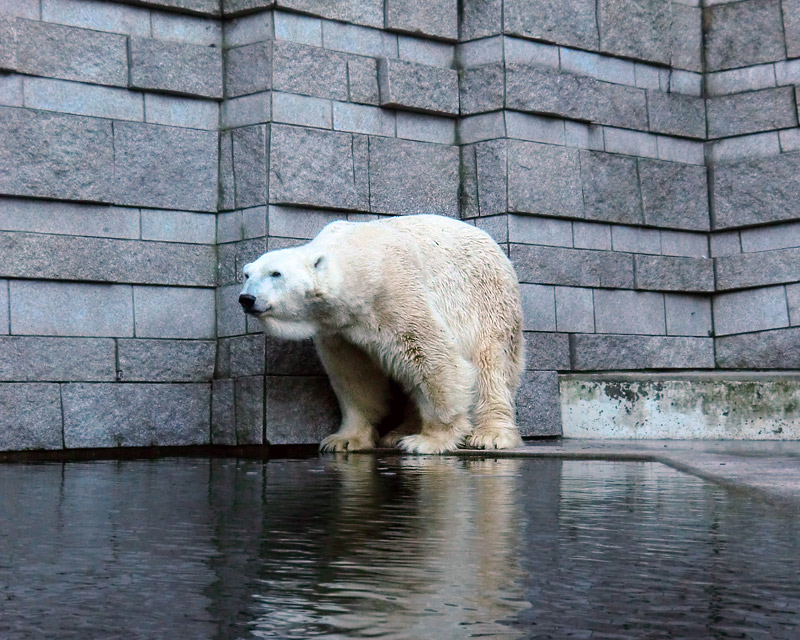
(362, 390)
(411, 425)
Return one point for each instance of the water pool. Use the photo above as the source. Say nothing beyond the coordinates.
(395, 547)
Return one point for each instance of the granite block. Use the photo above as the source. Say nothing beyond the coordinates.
(750, 310)
(295, 222)
(610, 188)
(248, 69)
(230, 318)
(434, 19)
(791, 27)
(636, 239)
(189, 29)
(82, 99)
(531, 54)
(223, 413)
(620, 311)
(743, 33)
(524, 126)
(423, 51)
(793, 299)
(309, 71)
(26, 359)
(538, 307)
(574, 310)
(413, 177)
(84, 310)
(533, 89)
(760, 76)
(174, 312)
(42, 216)
(236, 7)
(297, 28)
(536, 230)
(542, 179)
(11, 94)
(781, 236)
(777, 349)
(683, 151)
(306, 111)
(680, 243)
(249, 399)
(635, 29)
(255, 108)
(591, 235)
(631, 143)
(318, 168)
(495, 226)
(468, 193)
(688, 315)
(300, 409)
(553, 20)
(240, 356)
(166, 360)
(546, 351)
(292, 358)
(418, 87)
(676, 114)
(758, 269)
(538, 404)
(5, 318)
(362, 74)
(686, 37)
(572, 267)
(487, 126)
(178, 226)
(250, 148)
(598, 66)
(674, 273)
(674, 195)
(30, 416)
(233, 257)
(362, 118)
(135, 415)
(480, 18)
(200, 7)
(627, 352)
(426, 128)
(360, 40)
(482, 88)
(150, 168)
(364, 12)
(174, 111)
(50, 155)
(726, 243)
(751, 112)
(226, 198)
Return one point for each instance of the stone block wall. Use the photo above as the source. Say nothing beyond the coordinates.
(637, 160)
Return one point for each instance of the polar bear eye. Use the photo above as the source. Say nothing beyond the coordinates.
(275, 274)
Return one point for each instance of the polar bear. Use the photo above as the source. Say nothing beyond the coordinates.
(426, 301)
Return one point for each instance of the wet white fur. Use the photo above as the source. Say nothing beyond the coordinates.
(430, 302)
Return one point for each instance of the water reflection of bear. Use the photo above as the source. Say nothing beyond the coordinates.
(414, 548)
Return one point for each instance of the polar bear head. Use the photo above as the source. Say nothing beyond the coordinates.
(282, 289)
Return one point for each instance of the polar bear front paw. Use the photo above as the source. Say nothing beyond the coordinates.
(338, 443)
(428, 444)
(494, 438)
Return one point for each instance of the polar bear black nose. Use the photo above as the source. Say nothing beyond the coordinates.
(247, 301)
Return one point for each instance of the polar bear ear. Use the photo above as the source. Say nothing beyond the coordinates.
(320, 261)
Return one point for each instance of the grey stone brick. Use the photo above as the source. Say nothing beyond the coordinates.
(598, 66)
(751, 112)
(542, 179)
(173, 111)
(301, 110)
(362, 74)
(233, 258)
(688, 315)
(674, 273)
(226, 198)
(495, 226)
(361, 118)
(26, 255)
(680, 243)
(610, 188)
(418, 87)
(309, 71)
(751, 310)
(632, 143)
(178, 226)
(223, 413)
(640, 312)
(364, 12)
(554, 21)
(292, 358)
(534, 128)
(684, 151)
(743, 33)
(425, 128)
(686, 41)
(300, 410)
(438, 54)
(583, 136)
(42, 216)
(636, 240)
(674, 195)
(25, 359)
(135, 415)
(150, 167)
(480, 18)
(635, 29)
(241, 356)
(202, 7)
(244, 110)
(647, 76)
(791, 27)
(487, 126)
(58, 51)
(726, 243)
(482, 88)
(538, 404)
(55, 156)
(491, 170)
(248, 29)
(360, 40)
(175, 67)
(250, 152)
(676, 114)
(296, 28)
(166, 360)
(230, 318)
(413, 177)
(235, 7)
(781, 236)
(295, 222)
(5, 318)
(756, 191)
(188, 29)
(789, 140)
(591, 235)
(20, 8)
(778, 349)
(82, 309)
(82, 99)
(793, 298)
(9, 36)
(685, 83)
(574, 310)
(248, 69)
(533, 54)
(572, 267)
(545, 91)
(468, 193)
(249, 398)
(438, 19)
(619, 352)
(11, 90)
(538, 307)
(760, 76)
(536, 230)
(174, 312)
(546, 351)
(30, 416)
(743, 147)
(311, 167)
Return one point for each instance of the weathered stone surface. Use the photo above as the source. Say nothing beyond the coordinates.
(768, 238)
(750, 310)
(574, 310)
(758, 269)
(230, 319)
(546, 351)
(366, 12)
(743, 33)
(542, 179)
(223, 413)
(572, 267)
(70, 309)
(636, 239)
(756, 191)
(363, 76)
(644, 312)
(318, 168)
(135, 415)
(178, 226)
(482, 88)
(202, 7)
(248, 69)
(175, 67)
(249, 410)
(674, 195)
(166, 360)
(538, 230)
(150, 167)
(291, 358)
(226, 198)
(437, 19)
(614, 352)
(50, 155)
(610, 188)
(418, 87)
(491, 173)
(174, 312)
(240, 356)
(570, 23)
(793, 298)
(778, 349)
(688, 315)
(538, 406)
(751, 112)
(635, 29)
(25, 359)
(29, 255)
(43, 216)
(413, 177)
(538, 307)
(676, 114)
(791, 26)
(309, 71)
(591, 235)
(480, 18)
(686, 43)
(30, 416)
(300, 410)
(250, 147)
(9, 34)
(56, 51)
(234, 7)
(673, 273)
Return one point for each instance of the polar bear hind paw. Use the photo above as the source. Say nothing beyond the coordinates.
(494, 438)
(428, 444)
(339, 443)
